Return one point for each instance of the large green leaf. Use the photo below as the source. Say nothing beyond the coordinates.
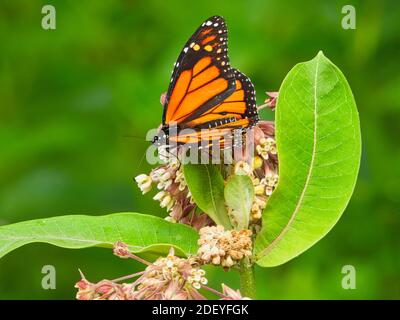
(142, 233)
(319, 147)
(239, 196)
(206, 185)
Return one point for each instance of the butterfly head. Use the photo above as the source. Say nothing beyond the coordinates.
(161, 138)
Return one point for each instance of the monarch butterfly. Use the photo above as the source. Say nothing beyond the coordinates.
(205, 94)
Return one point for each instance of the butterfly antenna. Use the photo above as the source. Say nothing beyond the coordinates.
(175, 156)
(141, 160)
(133, 136)
(141, 138)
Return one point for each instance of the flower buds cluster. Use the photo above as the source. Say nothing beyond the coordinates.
(165, 198)
(263, 188)
(171, 276)
(270, 182)
(261, 164)
(265, 147)
(223, 247)
(144, 182)
(168, 278)
(264, 184)
(196, 279)
(103, 290)
(174, 195)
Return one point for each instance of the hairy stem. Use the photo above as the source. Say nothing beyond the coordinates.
(247, 280)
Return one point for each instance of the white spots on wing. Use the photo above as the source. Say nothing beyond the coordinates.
(219, 31)
(215, 24)
(185, 49)
(208, 23)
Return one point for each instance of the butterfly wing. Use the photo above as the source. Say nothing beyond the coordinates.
(238, 111)
(202, 77)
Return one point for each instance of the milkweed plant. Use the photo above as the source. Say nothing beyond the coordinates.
(283, 189)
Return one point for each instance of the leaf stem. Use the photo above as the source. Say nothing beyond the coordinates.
(247, 279)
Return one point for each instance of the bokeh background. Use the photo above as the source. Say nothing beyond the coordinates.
(76, 103)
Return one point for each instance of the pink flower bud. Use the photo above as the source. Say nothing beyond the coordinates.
(121, 250)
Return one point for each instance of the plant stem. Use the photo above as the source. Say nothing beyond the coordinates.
(129, 276)
(247, 280)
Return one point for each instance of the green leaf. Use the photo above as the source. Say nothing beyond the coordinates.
(206, 185)
(142, 233)
(319, 148)
(239, 197)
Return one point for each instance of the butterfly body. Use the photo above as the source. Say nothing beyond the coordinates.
(206, 99)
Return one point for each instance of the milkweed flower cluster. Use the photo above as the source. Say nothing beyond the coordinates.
(223, 247)
(265, 147)
(259, 161)
(173, 193)
(103, 290)
(168, 278)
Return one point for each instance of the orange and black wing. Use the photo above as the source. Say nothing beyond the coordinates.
(237, 112)
(202, 77)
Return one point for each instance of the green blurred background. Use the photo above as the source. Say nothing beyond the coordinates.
(76, 102)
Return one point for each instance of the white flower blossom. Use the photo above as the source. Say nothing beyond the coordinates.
(144, 182)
